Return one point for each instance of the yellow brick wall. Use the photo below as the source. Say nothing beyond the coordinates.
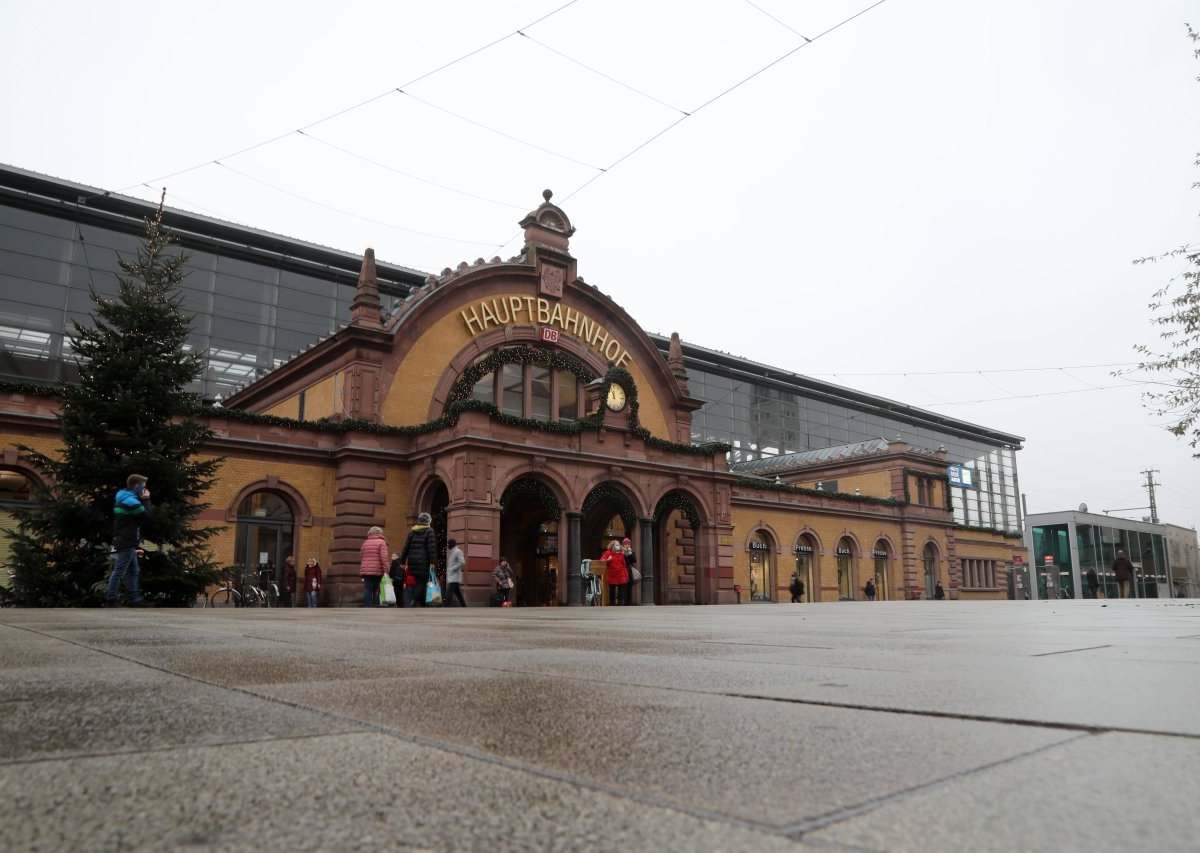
(787, 525)
(289, 408)
(876, 484)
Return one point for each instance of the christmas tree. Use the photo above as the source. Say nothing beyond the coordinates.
(129, 413)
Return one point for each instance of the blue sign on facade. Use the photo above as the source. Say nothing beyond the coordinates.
(963, 478)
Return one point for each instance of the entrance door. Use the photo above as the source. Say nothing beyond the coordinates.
(264, 535)
(529, 539)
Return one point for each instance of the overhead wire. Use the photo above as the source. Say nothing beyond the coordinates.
(409, 175)
(350, 213)
(721, 95)
(778, 21)
(600, 73)
(508, 136)
(359, 105)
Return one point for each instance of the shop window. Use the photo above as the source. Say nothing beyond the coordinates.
(845, 570)
(760, 568)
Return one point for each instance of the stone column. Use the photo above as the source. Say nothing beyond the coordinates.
(646, 559)
(574, 559)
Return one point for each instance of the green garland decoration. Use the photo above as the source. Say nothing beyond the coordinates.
(754, 483)
(675, 501)
(30, 389)
(529, 487)
(606, 491)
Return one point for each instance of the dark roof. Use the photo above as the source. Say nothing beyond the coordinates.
(57, 197)
(795, 383)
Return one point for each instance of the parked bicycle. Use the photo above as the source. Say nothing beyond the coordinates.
(593, 590)
(239, 589)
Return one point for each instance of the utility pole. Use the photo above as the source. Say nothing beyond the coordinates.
(1150, 484)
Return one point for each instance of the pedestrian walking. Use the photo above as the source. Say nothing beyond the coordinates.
(419, 553)
(131, 507)
(504, 579)
(796, 588)
(869, 589)
(1123, 569)
(1093, 582)
(312, 581)
(287, 586)
(455, 562)
(372, 563)
(938, 592)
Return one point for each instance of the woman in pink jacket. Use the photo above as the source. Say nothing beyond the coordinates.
(616, 575)
(372, 563)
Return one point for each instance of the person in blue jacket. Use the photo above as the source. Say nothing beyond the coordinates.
(131, 508)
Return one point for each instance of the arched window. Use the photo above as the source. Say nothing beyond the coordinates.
(760, 567)
(526, 382)
(930, 559)
(265, 533)
(845, 569)
(805, 553)
(883, 559)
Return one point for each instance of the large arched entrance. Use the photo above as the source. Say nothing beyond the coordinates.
(608, 514)
(676, 550)
(529, 517)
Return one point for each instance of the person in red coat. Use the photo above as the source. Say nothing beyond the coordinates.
(616, 574)
(372, 563)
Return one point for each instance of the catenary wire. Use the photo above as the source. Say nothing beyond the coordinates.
(349, 213)
(508, 136)
(777, 20)
(349, 153)
(719, 96)
(340, 112)
(600, 73)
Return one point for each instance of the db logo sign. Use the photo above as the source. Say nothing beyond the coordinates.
(550, 336)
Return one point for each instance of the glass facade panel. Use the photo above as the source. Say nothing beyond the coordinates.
(568, 395)
(513, 388)
(485, 388)
(539, 392)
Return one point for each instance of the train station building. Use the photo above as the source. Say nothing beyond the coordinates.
(521, 407)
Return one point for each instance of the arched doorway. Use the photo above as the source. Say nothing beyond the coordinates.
(439, 499)
(529, 516)
(930, 559)
(608, 514)
(676, 550)
(882, 557)
(805, 553)
(845, 569)
(265, 534)
(761, 567)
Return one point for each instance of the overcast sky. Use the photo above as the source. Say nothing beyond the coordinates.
(937, 201)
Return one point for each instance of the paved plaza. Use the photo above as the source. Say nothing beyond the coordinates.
(1068, 725)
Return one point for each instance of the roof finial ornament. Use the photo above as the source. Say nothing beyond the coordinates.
(547, 194)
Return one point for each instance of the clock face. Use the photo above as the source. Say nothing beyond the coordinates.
(616, 397)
